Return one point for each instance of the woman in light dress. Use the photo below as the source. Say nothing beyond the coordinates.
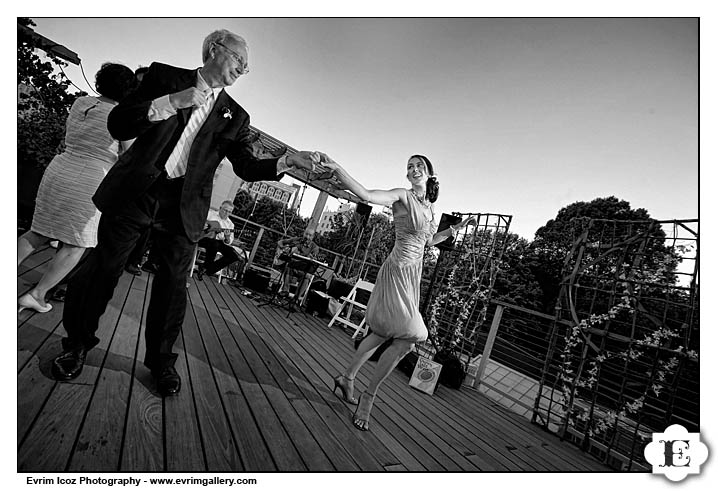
(393, 308)
(64, 210)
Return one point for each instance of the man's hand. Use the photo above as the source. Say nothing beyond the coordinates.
(304, 160)
(212, 226)
(192, 97)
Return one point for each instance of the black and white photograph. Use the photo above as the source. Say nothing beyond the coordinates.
(314, 250)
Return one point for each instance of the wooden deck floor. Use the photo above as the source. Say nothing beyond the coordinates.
(256, 397)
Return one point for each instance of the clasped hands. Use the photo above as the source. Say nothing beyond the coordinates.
(318, 163)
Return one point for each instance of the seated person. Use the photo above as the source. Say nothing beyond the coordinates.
(303, 246)
(219, 235)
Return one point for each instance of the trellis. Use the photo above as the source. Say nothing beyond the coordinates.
(461, 283)
(623, 356)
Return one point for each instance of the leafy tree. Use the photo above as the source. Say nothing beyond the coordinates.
(43, 102)
(515, 282)
(43, 105)
(271, 214)
(342, 235)
(553, 242)
(265, 211)
(347, 232)
(49, 87)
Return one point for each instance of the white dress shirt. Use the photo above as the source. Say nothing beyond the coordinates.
(162, 109)
(226, 223)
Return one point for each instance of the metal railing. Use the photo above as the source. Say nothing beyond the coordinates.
(619, 361)
(511, 370)
(260, 244)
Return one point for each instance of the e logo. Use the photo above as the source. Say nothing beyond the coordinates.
(676, 453)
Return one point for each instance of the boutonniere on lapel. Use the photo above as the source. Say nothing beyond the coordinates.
(226, 113)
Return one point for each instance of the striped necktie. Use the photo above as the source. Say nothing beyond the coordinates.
(176, 165)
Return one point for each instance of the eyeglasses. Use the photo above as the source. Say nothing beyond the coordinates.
(228, 210)
(244, 68)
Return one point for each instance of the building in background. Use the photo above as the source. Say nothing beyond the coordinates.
(274, 190)
(227, 184)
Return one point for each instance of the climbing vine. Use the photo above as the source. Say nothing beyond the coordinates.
(588, 378)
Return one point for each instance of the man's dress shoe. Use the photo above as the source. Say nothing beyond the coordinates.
(150, 267)
(168, 381)
(68, 365)
(133, 269)
(59, 294)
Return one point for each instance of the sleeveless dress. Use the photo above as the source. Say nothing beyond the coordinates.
(393, 308)
(64, 209)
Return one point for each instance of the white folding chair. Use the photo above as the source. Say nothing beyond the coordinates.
(197, 261)
(351, 302)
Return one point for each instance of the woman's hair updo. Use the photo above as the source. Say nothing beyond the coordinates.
(115, 81)
(432, 184)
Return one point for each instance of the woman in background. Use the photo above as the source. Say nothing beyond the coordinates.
(64, 210)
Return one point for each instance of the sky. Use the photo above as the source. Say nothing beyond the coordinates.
(520, 116)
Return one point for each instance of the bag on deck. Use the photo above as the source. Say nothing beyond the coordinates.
(452, 374)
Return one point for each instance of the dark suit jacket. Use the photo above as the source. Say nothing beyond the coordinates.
(142, 164)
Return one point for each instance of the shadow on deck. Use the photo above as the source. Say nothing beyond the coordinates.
(257, 396)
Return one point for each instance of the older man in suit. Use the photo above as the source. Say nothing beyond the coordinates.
(184, 124)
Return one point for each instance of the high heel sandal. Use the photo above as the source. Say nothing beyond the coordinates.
(27, 301)
(361, 416)
(346, 385)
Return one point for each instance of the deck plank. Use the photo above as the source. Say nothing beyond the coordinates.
(100, 441)
(511, 457)
(32, 269)
(309, 386)
(143, 439)
(217, 438)
(49, 445)
(528, 437)
(39, 257)
(287, 378)
(396, 419)
(29, 273)
(238, 361)
(425, 449)
(406, 421)
(231, 334)
(55, 421)
(263, 361)
(184, 448)
(257, 396)
(33, 389)
(36, 331)
(451, 426)
(284, 326)
(252, 417)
